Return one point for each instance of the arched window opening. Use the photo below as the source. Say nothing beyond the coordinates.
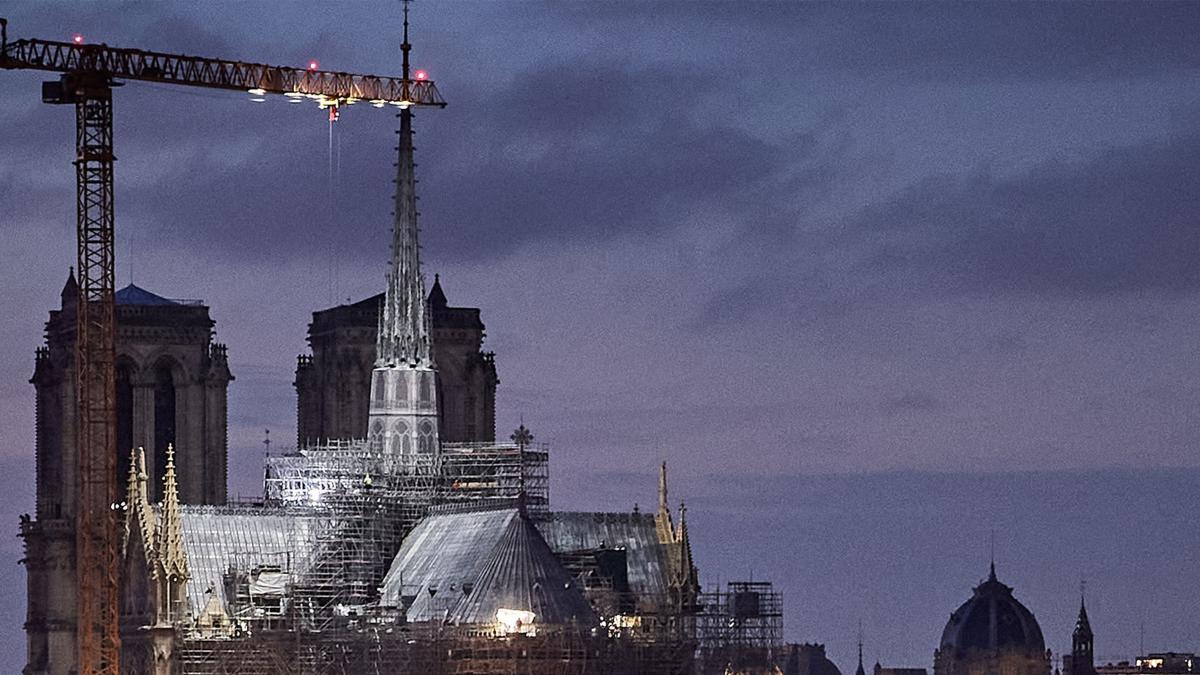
(425, 438)
(124, 423)
(164, 424)
(426, 387)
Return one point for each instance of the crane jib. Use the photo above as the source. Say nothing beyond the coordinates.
(137, 64)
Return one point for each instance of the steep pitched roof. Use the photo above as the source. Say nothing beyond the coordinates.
(522, 573)
(220, 537)
(464, 565)
(637, 533)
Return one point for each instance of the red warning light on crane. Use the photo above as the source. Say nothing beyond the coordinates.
(313, 65)
(77, 38)
(421, 75)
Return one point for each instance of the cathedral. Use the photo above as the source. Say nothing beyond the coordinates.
(400, 533)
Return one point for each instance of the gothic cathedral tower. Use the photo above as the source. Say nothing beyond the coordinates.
(171, 389)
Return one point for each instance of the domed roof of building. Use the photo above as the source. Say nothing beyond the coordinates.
(993, 619)
(808, 659)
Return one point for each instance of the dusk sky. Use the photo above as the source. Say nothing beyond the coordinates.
(874, 279)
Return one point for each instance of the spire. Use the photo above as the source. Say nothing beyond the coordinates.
(404, 323)
(139, 516)
(70, 289)
(131, 495)
(437, 298)
(860, 670)
(663, 524)
(1083, 627)
(172, 555)
(1082, 641)
(402, 414)
(687, 568)
(662, 487)
(404, 46)
(992, 555)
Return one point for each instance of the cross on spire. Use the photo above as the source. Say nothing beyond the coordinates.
(522, 437)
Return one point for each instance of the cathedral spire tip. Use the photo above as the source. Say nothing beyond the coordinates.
(171, 549)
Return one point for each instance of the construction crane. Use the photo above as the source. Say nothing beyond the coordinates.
(89, 73)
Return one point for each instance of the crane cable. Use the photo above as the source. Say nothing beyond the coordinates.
(333, 179)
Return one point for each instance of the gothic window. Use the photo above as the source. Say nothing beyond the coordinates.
(425, 438)
(401, 393)
(380, 390)
(164, 423)
(426, 388)
(124, 419)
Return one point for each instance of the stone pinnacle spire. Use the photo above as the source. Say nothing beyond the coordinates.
(172, 555)
(139, 517)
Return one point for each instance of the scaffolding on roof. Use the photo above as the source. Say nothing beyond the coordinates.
(740, 628)
(310, 602)
(476, 471)
(434, 647)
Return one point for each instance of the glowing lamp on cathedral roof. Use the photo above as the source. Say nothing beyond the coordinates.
(515, 621)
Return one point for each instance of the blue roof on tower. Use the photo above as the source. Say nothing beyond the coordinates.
(136, 295)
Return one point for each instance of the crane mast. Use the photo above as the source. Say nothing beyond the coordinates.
(88, 75)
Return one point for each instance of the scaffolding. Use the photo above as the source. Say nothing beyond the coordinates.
(315, 607)
(739, 628)
(360, 502)
(496, 471)
(433, 648)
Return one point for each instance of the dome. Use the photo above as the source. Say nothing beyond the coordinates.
(992, 619)
(808, 659)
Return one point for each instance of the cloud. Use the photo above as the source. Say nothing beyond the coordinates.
(585, 153)
(561, 153)
(1123, 220)
(928, 41)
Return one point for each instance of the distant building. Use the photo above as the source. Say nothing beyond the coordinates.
(334, 383)
(1081, 660)
(1118, 668)
(808, 659)
(1168, 663)
(1157, 663)
(882, 670)
(992, 632)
